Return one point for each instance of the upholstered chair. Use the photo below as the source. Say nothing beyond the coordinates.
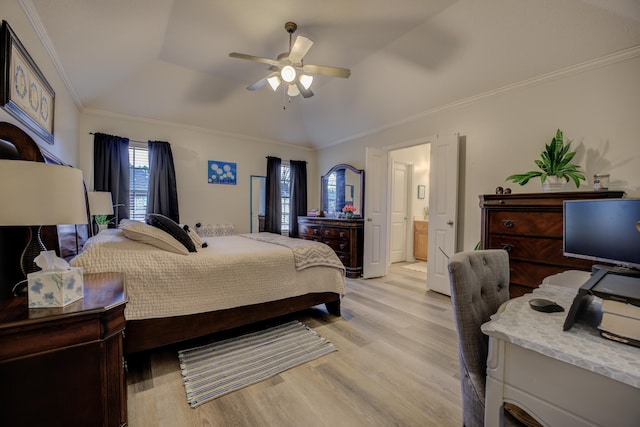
(479, 285)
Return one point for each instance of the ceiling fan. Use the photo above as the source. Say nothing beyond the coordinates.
(290, 69)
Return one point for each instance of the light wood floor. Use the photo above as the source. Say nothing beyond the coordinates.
(396, 365)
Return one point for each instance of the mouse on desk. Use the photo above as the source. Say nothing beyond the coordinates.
(545, 305)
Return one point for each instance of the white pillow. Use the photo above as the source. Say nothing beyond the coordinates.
(197, 241)
(141, 232)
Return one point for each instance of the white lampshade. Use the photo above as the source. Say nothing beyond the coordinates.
(100, 203)
(306, 80)
(274, 82)
(293, 90)
(35, 193)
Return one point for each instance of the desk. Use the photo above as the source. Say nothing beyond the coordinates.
(573, 378)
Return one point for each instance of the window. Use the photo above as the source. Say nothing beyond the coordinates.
(285, 197)
(138, 180)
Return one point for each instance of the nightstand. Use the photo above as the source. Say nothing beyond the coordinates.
(64, 365)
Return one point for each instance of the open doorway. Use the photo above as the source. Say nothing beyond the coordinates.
(409, 206)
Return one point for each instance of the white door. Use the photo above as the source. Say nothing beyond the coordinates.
(443, 211)
(399, 207)
(375, 210)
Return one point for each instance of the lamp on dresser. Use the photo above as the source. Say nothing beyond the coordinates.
(34, 194)
(100, 205)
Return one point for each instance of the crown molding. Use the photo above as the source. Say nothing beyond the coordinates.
(156, 122)
(583, 67)
(30, 10)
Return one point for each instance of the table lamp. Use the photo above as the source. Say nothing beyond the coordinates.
(35, 194)
(100, 205)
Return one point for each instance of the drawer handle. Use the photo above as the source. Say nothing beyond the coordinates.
(342, 234)
(507, 246)
(315, 231)
(326, 232)
(508, 223)
(342, 246)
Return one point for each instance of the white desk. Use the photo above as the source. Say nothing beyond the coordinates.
(573, 378)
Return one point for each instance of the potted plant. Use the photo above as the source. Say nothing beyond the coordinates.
(102, 221)
(555, 164)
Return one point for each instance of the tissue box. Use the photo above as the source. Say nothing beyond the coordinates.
(55, 288)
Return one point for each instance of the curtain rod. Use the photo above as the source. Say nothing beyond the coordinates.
(132, 140)
(266, 157)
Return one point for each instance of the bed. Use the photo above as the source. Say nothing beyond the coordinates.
(195, 292)
(233, 281)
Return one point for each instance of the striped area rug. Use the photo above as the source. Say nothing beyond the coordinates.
(215, 369)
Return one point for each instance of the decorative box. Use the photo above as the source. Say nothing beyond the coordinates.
(55, 288)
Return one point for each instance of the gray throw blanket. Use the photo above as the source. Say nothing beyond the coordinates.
(306, 253)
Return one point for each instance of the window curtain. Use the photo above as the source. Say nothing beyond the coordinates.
(162, 197)
(273, 209)
(298, 194)
(111, 172)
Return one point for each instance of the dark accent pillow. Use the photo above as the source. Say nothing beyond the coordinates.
(170, 226)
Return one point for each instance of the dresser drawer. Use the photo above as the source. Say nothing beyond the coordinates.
(337, 245)
(335, 233)
(548, 251)
(309, 229)
(548, 224)
(531, 275)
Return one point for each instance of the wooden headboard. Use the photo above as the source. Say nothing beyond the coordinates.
(66, 240)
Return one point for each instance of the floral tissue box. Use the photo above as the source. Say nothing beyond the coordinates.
(55, 288)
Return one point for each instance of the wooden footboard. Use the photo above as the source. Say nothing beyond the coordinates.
(141, 335)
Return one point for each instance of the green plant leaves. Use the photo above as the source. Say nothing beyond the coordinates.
(554, 161)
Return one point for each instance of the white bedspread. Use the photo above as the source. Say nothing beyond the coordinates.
(232, 271)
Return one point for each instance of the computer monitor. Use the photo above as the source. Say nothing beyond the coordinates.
(604, 230)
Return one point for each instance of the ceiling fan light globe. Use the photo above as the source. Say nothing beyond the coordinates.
(293, 90)
(274, 82)
(288, 73)
(306, 80)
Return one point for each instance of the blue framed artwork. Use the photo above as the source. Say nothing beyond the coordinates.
(221, 172)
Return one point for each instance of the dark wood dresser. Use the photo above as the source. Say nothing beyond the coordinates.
(64, 366)
(344, 236)
(529, 227)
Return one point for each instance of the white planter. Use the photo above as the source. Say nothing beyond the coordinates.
(553, 183)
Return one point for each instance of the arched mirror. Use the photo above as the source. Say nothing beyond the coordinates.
(342, 185)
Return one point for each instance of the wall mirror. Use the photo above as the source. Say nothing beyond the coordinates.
(342, 185)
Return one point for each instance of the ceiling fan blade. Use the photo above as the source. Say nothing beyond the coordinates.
(254, 58)
(327, 71)
(299, 49)
(306, 93)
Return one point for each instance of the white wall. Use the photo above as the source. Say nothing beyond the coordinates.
(66, 113)
(503, 132)
(192, 148)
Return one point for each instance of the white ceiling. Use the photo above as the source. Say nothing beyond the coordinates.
(168, 59)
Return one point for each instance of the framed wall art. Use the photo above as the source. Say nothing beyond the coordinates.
(421, 191)
(24, 92)
(221, 172)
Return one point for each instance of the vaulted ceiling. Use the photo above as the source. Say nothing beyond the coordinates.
(168, 59)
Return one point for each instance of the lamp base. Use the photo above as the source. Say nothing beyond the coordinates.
(31, 251)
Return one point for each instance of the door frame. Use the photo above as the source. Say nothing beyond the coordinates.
(387, 221)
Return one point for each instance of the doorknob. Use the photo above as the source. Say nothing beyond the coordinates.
(449, 222)
(369, 219)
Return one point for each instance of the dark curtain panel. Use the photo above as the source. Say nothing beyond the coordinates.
(162, 197)
(111, 171)
(273, 209)
(298, 194)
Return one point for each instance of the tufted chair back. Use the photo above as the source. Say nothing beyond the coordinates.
(479, 285)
